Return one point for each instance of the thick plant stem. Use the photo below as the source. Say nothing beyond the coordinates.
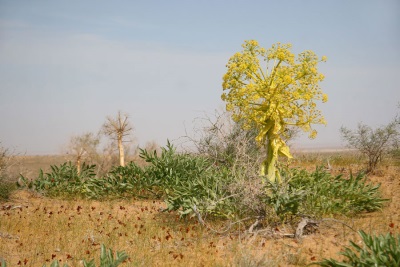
(78, 165)
(268, 167)
(275, 147)
(121, 151)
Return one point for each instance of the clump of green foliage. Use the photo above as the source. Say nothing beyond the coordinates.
(284, 199)
(187, 182)
(326, 194)
(191, 184)
(382, 250)
(63, 180)
(120, 182)
(107, 258)
(318, 193)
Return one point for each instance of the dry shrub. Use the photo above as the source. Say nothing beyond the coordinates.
(226, 143)
(7, 185)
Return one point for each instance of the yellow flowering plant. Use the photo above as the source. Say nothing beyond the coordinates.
(272, 91)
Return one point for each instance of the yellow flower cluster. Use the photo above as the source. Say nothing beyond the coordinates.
(279, 93)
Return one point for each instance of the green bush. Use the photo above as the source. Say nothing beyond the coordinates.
(284, 198)
(319, 193)
(326, 194)
(382, 250)
(127, 181)
(189, 181)
(63, 180)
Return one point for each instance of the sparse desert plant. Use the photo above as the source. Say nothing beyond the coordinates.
(381, 250)
(55, 263)
(374, 143)
(273, 98)
(107, 258)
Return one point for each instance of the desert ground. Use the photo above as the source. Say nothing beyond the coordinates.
(36, 230)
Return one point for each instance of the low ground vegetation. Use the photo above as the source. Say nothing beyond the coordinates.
(381, 250)
(193, 185)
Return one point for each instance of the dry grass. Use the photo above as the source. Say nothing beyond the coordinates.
(35, 230)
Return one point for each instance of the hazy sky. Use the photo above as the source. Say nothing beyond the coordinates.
(66, 65)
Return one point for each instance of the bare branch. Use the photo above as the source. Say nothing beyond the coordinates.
(118, 128)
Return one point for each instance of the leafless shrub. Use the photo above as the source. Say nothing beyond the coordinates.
(84, 148)
(223, 140)
(9, 164)
(373, 143)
